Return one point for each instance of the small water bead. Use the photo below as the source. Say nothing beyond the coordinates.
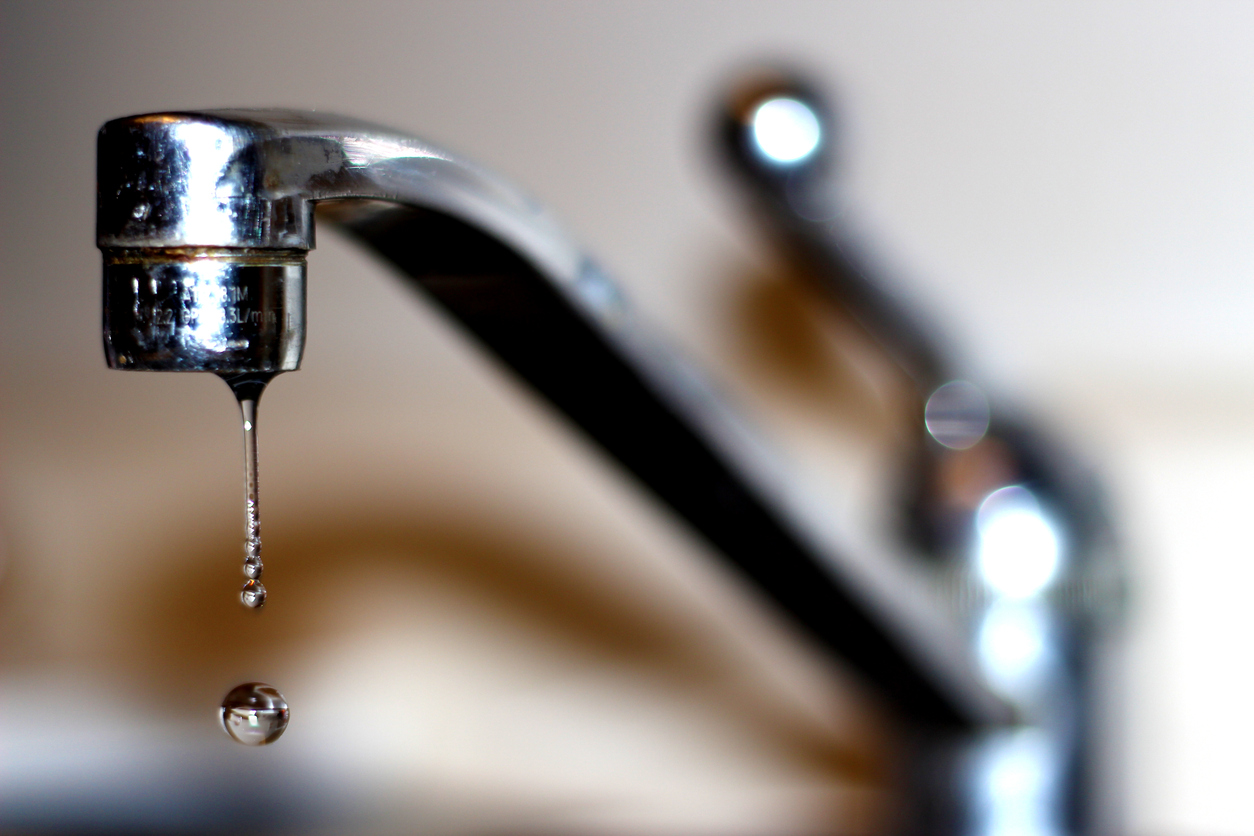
(253, 594)
(252, 567)
(254, 714)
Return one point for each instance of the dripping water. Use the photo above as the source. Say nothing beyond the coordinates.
(253, 713)
(248, 389)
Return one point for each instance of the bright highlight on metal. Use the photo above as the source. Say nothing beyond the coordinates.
(1018, 777)
(785, 130)
(1018, 549)
(1014, 644)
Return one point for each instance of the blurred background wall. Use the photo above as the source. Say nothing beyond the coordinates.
(480, 624)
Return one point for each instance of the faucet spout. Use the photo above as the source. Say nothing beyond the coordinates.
(204, 220)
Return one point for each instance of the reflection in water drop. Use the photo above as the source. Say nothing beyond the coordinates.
(254, 714)
(253, 594)
(252, 566)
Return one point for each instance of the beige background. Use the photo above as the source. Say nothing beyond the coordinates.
(480, 624)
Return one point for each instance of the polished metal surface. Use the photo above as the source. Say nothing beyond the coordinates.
(202, 206)
(204, 309)
(204, 220)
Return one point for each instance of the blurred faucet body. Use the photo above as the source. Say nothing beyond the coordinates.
(1044, 636)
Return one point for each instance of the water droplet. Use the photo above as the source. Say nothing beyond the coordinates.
(252, 567)
(253, 594)
(254, 714)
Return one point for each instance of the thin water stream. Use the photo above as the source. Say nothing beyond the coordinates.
(248, 390)
(253, 713)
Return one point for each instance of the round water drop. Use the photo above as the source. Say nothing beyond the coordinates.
(253, 594)
(252, 567)
(254, 714)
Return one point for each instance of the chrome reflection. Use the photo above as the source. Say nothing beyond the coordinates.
(785, 130)
(206, 186)
(1018, 549)
(1017, 775)
(1015, 645)
(957, 414)
(208, 327)
(1018, 779)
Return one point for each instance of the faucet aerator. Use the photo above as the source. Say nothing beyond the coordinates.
(229, 311)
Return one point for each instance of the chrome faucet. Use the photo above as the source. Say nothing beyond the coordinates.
(205, 219)
(204, 222)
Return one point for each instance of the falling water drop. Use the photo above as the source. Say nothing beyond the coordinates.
(254, 714)
(253, 594)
